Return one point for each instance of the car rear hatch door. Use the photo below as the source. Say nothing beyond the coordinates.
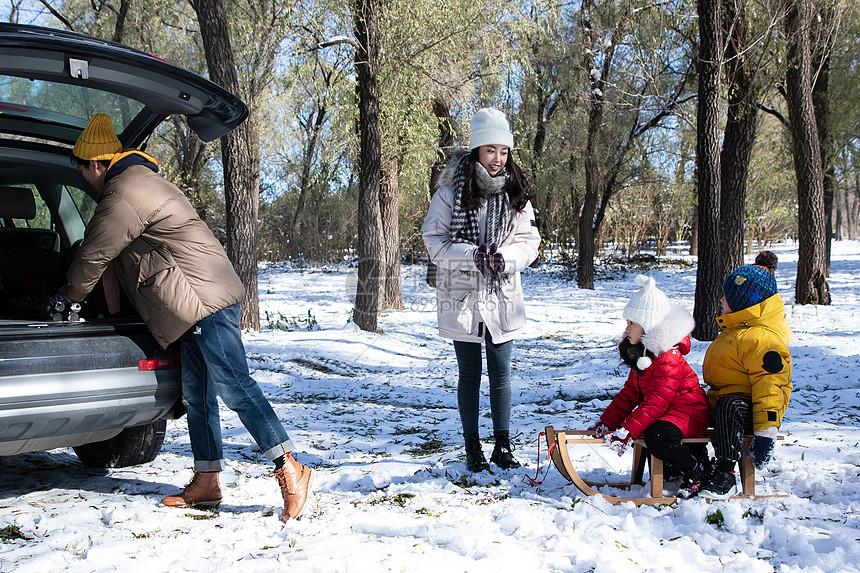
(54, 81)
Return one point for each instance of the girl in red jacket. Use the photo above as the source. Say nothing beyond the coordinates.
(662, 399)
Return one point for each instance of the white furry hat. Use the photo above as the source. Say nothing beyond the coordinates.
(647, 307)
(490, 127)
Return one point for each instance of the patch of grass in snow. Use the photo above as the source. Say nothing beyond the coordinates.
(615, 265)
(400, 500)
(287, 323)
(716, 519)
(11, 533)
(467, 481)
(407, 431)
(427, 448)
(754, 514)
(211, 514)
(318, 367)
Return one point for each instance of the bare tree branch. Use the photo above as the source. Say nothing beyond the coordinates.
(774, 113)
(336, 40)
(57, 15)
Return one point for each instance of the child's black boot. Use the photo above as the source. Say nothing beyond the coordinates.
(692, 481)
(722, 483)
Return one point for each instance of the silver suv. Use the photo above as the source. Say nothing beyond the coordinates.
(100, 385)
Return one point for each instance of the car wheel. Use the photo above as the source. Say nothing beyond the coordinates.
(130, 447)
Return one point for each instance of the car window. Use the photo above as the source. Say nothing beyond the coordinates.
(43, 214)
(64, 104)
(86, 205)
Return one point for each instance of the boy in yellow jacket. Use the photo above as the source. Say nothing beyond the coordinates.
(748, 370)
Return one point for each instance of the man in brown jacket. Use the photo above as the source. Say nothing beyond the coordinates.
(177, 276)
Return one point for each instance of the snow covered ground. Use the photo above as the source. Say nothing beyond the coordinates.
(375, 414)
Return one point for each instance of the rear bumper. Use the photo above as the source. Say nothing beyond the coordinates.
(72, 391)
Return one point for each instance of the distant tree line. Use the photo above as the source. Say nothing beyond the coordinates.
(724, 124)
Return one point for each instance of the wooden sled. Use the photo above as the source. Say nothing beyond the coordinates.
(559, 443)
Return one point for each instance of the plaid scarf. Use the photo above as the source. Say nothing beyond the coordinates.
(464, 222)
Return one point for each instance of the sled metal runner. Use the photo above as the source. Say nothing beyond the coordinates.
(560, 441)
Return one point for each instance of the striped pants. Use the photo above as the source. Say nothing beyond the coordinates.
(732, 419)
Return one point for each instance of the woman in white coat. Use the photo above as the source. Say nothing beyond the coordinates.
(481, 232)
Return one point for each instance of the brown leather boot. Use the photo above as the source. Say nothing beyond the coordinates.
(203, 491)
(295, 481)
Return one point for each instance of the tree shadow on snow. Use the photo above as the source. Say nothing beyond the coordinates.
(24, 474)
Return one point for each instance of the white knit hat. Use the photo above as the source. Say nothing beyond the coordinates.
(647, 307)
(490, 127)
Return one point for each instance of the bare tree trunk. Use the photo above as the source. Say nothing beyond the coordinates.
(191, 157)
(121, 15)
(850, 200)
(389, 200)
(313, 127)
(548, 104)
(822, 22)
(694, 235)
(709, 275)
(370, 256)
(241, 161)
(811, 284)
(446, 145)
(739, 136)
(593, 181)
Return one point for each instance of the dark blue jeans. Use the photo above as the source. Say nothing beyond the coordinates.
(469, 383)
(214, 364)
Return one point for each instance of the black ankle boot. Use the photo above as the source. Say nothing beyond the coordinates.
(475, 460)
(502, 455)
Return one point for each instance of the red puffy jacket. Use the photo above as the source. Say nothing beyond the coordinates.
(667, 390)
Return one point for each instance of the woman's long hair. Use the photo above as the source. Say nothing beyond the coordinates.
(630, 353)
(517, 187)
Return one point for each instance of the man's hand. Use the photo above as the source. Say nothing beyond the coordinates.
(58, 303)
(61, 308)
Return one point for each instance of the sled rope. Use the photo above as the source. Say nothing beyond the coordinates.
(534, 481)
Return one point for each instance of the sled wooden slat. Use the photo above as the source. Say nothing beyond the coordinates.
(559, 441)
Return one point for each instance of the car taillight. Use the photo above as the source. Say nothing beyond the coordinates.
(158, 364)
(11, 107)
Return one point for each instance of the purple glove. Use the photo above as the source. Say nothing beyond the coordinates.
(496, 261)
(482, 263)
(599, 428)
(619, 440)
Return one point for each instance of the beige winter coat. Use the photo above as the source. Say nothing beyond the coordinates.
(168, 261)
(464, 308)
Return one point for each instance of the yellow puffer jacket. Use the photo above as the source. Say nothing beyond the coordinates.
(750, 358)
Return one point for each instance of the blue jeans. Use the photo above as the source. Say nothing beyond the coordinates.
(469, 383)
(214, 364)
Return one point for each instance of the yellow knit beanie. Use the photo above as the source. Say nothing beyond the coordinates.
(98, 141)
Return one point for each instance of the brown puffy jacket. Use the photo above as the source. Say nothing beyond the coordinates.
(168, 261)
